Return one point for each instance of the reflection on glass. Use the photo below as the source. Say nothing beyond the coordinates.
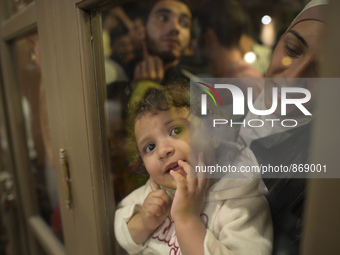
(224, 39)
(7, 211)
(122, 47)
(211, 47)
(37, 129)
(15, 6)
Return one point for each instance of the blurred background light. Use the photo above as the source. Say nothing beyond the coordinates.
(266, 19)
(250, 57)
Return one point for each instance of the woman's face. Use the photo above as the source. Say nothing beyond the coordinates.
(295, 56)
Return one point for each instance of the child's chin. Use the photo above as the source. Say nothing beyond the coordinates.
(171, 185)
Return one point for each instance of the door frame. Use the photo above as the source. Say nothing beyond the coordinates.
(72, 56)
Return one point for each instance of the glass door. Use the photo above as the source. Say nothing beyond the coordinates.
(34, 188)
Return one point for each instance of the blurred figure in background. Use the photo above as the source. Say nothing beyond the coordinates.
(222, 24)
(117, 26)
(122, 53)
(261, 52)
(121, 45)
(109, 21)
(127, 50)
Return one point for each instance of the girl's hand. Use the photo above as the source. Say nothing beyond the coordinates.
(190, 193)
(156, 207)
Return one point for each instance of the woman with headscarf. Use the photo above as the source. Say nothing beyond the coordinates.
(295, 56)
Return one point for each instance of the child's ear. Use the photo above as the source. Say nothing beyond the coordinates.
(216, 141)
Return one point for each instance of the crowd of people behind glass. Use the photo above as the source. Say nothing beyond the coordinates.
(168, 40)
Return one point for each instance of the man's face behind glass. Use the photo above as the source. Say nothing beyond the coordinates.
(168, 29)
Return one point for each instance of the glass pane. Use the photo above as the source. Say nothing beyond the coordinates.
(11, 7)
(120, 58)
(175, 41)
(15, 6)
(8, 224)
(126, 45)
(28, 59)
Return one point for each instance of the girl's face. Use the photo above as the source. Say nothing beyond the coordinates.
(295, 56)
(163, 139)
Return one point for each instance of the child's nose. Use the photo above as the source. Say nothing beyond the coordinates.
(165, 150)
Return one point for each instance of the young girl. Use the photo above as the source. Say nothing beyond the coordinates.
(175, 214)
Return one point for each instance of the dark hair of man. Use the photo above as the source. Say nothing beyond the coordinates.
(226, 18)
(151, 3)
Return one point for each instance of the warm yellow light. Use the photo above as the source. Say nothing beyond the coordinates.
(286, 61)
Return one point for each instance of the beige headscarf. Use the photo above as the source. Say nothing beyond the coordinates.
(314, 10)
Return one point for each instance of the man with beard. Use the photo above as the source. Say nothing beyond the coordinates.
(167, 35)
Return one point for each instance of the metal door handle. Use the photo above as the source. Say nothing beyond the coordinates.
(67, 179)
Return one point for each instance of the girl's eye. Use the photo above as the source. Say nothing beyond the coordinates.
(176, 131)
(149, 148)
